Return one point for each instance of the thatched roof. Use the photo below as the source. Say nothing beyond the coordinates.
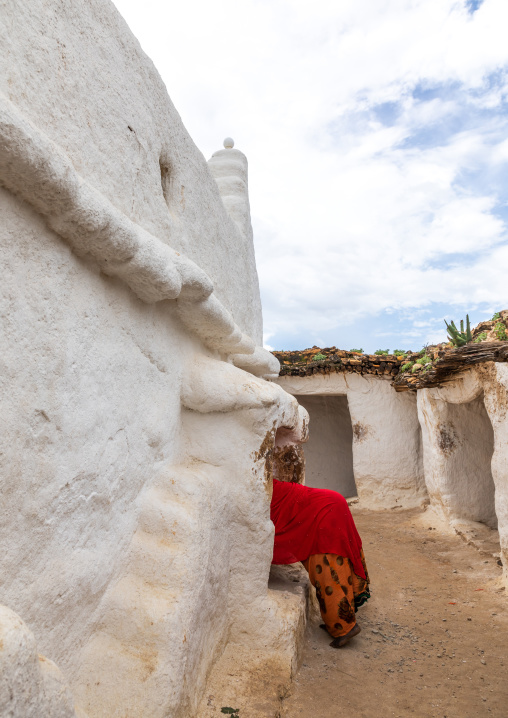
(432, 366)
(331, 359)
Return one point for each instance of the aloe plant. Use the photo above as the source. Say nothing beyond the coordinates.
(500, 332)
(459, 338)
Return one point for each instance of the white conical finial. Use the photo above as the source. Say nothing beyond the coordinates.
(229, 143)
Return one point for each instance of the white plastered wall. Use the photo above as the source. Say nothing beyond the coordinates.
(133, 453)
(387, 463)
(465, 448)
(76, 71)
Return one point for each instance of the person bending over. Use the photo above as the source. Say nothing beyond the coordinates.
(315, 526)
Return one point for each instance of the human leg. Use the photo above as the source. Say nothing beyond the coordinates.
(339, 591)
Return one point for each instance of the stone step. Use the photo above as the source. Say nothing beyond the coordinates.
(155, 558)
(135, 610)
(164, 514)
(115, 670)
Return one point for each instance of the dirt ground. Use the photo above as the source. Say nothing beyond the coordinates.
(434, 639)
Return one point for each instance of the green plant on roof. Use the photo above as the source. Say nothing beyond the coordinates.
(407, 366)
(500, 332)
(496, 316)
(382, 351)
(319, 357)
(424, 360)
(459, 338)
(357, 351)
(480, 337)
(399, 353)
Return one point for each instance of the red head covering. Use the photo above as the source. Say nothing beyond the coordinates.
(309, 521)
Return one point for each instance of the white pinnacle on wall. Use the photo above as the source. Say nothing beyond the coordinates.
(229, 167)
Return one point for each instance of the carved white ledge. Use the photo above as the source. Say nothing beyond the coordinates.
(36, 169)
(213, 386)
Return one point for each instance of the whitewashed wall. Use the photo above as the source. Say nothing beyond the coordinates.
(448, 445)
(465, 448)
(135, 527)
(387, 457)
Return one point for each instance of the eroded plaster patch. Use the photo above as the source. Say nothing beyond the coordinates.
(447, 438)
(360, 431)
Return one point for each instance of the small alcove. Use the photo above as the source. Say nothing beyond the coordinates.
(466, 439)
(166, 180)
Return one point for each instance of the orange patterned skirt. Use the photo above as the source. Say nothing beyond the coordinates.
(338, 589)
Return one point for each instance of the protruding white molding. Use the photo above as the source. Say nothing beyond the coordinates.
(214, 386)
(260, 363)
(36, 169)
(214, 325)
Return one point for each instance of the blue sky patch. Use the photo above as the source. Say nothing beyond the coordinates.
(387, 112)
(473, 5)
(390, 329)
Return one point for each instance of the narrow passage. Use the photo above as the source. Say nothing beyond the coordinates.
(434, 641)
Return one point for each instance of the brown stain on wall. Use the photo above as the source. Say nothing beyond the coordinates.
(286, 462)
(266, 445)
(289, 463)
(265, 452)
(446, 438)
(360, 432)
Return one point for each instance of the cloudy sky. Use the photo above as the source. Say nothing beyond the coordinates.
(377, 139)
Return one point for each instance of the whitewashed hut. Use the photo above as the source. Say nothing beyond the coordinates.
(438, 435)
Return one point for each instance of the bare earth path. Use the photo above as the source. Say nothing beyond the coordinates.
(434, 639)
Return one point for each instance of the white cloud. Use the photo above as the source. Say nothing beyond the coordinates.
(358, 205)
(266, 337)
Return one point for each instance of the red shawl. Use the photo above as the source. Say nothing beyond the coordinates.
(309, 521)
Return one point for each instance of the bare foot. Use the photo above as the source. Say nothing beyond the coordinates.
(342, 640)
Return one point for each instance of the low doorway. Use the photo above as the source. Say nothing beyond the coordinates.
(329, 451)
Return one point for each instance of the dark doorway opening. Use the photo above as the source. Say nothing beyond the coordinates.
(329, 451)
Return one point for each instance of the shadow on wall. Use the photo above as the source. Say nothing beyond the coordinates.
(329, 451)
